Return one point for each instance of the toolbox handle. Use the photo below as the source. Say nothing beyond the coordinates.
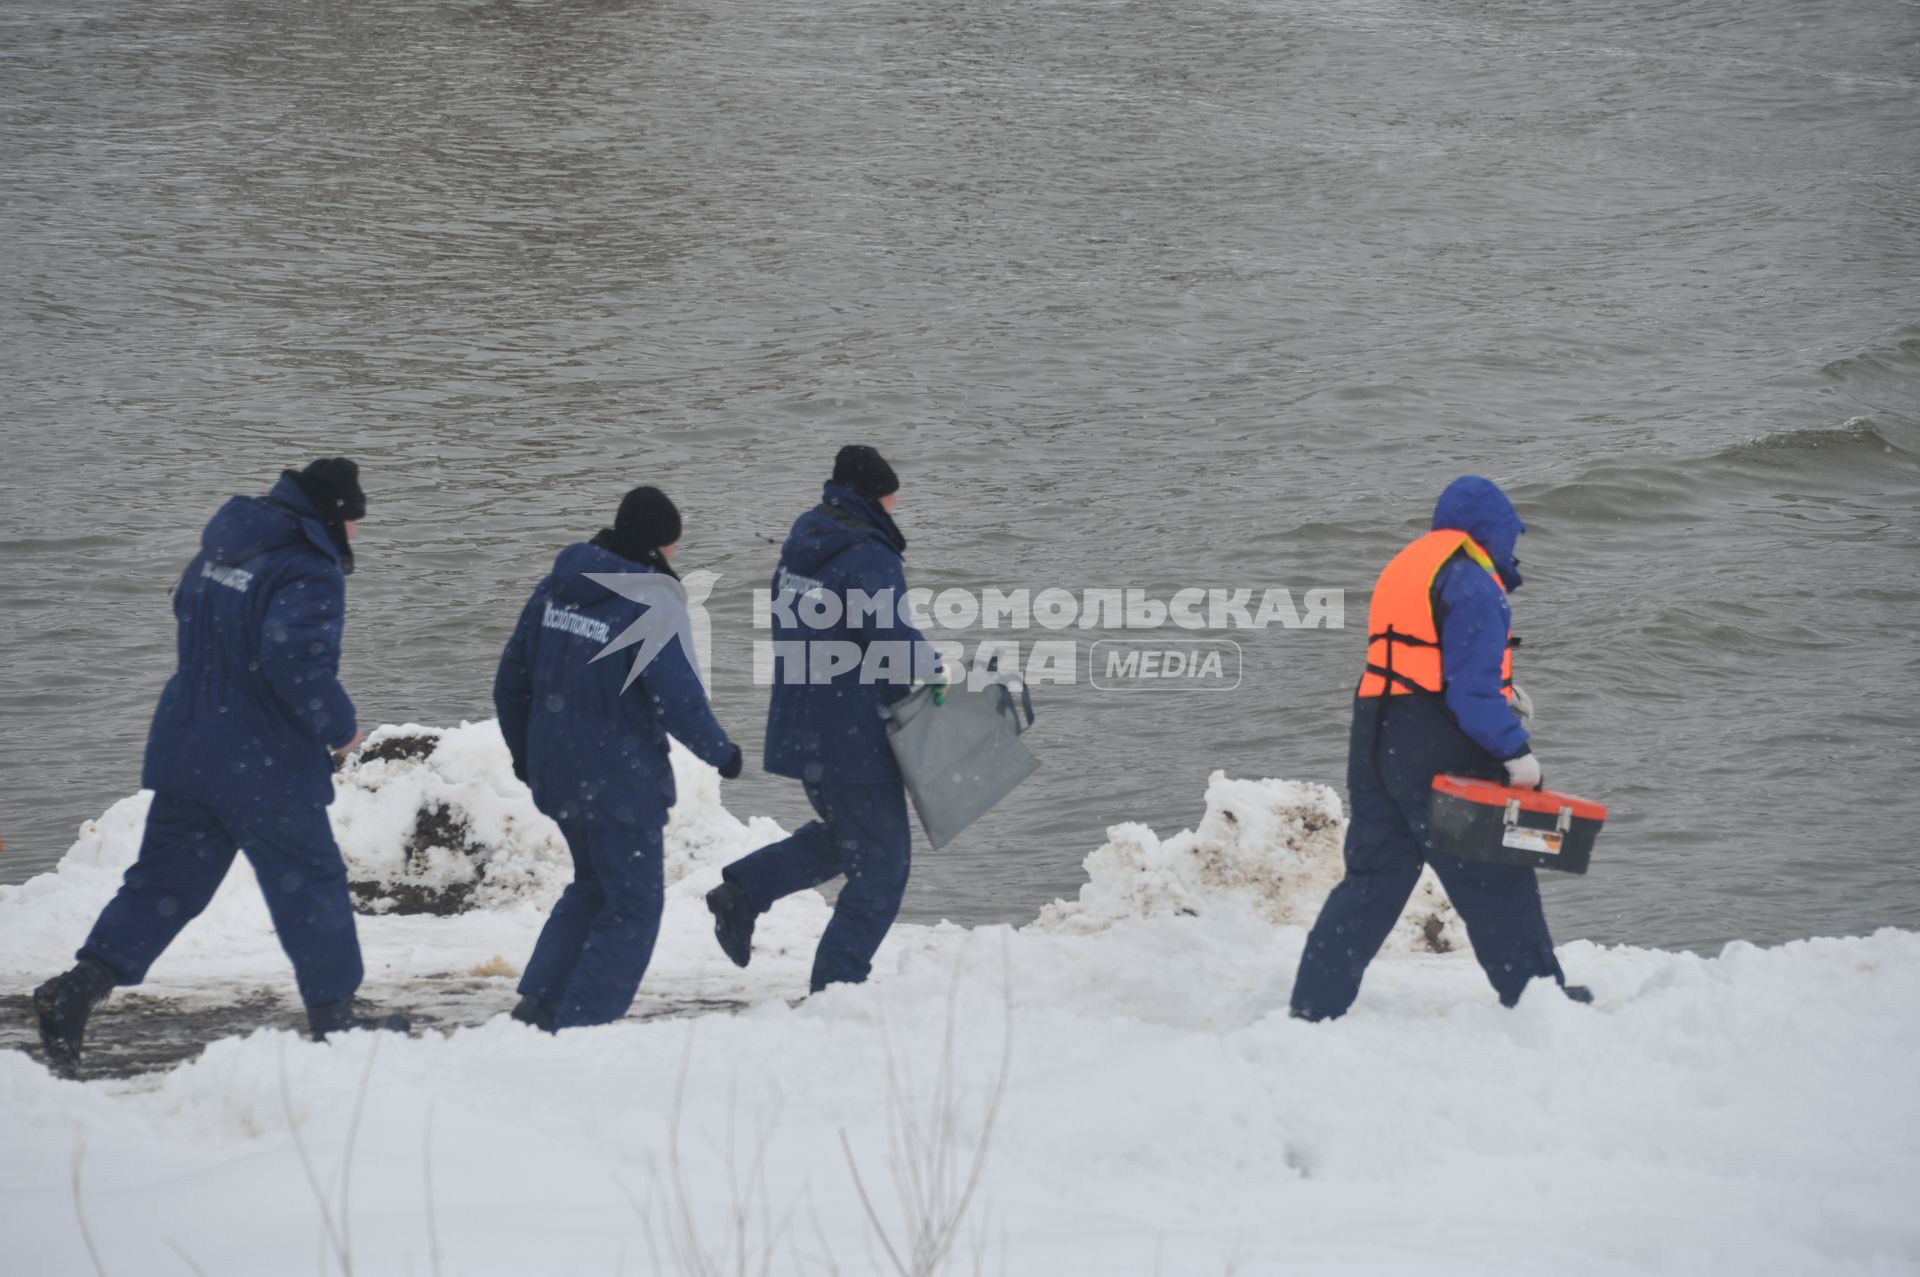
(1563, 824)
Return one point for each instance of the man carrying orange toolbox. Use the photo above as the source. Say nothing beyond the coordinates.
(1436, 697)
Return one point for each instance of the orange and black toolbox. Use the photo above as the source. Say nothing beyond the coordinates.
(1485, 820)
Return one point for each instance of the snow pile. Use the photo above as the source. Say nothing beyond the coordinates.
(1270, 845)
(434, 821)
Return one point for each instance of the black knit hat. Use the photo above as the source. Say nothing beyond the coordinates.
(332, 484)
(865, 471)
(647, 514)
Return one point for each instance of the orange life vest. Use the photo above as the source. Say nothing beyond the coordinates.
(1403, 639)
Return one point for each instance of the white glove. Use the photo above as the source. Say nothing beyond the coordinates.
(1522, 704)
(1524, 772)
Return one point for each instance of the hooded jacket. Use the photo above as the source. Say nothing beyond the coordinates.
(591, 751)
(831, 730)
(1471, 729)
(1475, 616)
(252, 712)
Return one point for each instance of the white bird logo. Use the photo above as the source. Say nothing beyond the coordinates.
(667, 616)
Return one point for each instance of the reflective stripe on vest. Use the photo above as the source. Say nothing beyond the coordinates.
(1403, 640)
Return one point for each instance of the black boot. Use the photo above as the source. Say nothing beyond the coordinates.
(733, 918)
(1579, 993)
(342, 1017)
(536, 1013)
(63, 1005)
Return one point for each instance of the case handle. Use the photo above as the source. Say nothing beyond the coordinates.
(1026, 693)
(1562, 824)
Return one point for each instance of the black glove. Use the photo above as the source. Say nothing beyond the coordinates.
(520, 773)
(730, 770)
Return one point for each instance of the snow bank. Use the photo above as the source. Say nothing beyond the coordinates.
(434, 821)
(1269, 845)
(1747, 1113)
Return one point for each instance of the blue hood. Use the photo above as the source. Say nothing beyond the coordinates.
(1477, 507)
(818, 535)
(571, 588)
(246, 527)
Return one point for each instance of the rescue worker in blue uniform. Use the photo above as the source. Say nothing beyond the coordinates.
(240, 758)
(1436, 697)
(591, 743)
(826, 729)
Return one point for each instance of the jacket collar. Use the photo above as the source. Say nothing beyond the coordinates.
(845, 506)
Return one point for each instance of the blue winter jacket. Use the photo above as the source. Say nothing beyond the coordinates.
(590, 751)
(248, 720)
(1400, 743)
(832, 730)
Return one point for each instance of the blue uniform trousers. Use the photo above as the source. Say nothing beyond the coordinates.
(186, 852)
(862, 833)
(1500, 905)
(594, 949)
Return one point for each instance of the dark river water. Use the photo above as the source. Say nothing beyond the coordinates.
(1208, 294)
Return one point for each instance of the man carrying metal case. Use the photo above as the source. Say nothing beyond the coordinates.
(839, 589)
